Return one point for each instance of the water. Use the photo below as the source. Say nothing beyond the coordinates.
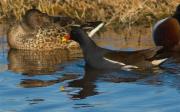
(59, 81)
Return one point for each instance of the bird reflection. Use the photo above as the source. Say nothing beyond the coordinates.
(176, 57)
(39, 62)
(172, 64)
(173, 55)
(88, 82)
(31, 83)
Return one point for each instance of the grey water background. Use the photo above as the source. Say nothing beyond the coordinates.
(59, 81)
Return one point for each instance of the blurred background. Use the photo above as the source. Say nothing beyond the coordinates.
(110, 11)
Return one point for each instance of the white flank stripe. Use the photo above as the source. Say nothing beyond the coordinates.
(115, 62)
(125, 67)
(130, 66)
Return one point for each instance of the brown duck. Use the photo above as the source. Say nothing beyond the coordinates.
(39, 31)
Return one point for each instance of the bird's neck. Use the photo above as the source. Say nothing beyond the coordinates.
(89, 46)
(91, 51)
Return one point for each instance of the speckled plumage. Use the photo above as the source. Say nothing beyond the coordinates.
(40, 32)
(34, 62)
(47, 38)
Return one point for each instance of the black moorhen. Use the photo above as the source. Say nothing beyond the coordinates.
(101, 58)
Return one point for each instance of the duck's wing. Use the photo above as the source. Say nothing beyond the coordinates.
(149, 53)
(131, 57)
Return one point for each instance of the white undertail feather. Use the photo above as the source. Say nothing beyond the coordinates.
(92, 32)
(158, 62)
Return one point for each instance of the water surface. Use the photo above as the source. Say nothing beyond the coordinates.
(59, 81)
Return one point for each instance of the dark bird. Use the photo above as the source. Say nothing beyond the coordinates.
(101, 58)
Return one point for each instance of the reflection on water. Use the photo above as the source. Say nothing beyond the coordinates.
(29, 83)
(39, 62)
(58, 81)
(87, 82)
(35, 101)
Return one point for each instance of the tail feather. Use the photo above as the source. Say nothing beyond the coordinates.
(97, 28)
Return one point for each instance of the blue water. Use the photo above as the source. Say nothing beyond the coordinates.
(32, 82)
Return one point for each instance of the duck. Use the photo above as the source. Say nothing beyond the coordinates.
(102, 58)
(166, 32)
(40, 31)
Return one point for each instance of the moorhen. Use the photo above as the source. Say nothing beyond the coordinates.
(101, 58)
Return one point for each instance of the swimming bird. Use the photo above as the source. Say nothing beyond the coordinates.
(101, 58)
(40, 31)
(166, 32)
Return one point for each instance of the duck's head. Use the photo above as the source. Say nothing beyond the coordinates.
(35, 18)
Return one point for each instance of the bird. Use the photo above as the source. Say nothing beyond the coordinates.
(40, 31)
(102, 58)
(166, 32)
